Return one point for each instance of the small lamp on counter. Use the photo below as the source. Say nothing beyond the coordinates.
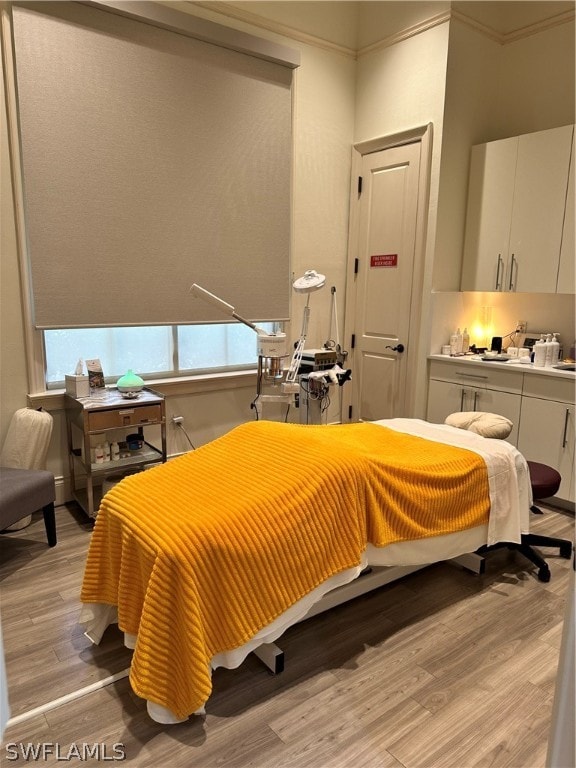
(482, 331)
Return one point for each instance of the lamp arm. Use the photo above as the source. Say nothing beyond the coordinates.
(222, 305)
(299, 349)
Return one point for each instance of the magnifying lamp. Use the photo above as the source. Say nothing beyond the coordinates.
(272, 346)
(310, 282)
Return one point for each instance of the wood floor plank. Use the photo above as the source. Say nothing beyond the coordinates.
(443, 669)
(486, 731)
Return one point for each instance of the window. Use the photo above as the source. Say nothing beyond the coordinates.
(165, 145)
(153, 352)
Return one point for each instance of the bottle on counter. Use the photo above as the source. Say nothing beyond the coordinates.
(540, 353)
(465, 341)
(114, 451)
(456, 343)
(99, 454)
(553, 350)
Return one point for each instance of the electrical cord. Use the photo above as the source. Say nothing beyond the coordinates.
(255, 407)
(179, 424)
(512, 338)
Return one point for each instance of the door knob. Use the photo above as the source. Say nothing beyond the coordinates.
(397, 348)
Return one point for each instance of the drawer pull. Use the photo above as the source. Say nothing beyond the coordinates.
(513, 267)
(498, 283)
(126, 413)
(472, 376)
(566, 418)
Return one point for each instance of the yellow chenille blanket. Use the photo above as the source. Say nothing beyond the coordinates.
(201, 553)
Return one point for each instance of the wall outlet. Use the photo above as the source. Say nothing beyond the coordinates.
(521, 326)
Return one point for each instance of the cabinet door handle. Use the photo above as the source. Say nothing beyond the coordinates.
(512, 265)
(566, 419)
(500, 263)
(462, 399)
(475, 399)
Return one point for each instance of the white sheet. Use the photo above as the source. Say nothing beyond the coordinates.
(510, 497)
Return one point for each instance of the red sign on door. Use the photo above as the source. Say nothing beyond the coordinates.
(384, 260)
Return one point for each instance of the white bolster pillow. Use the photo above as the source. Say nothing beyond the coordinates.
(485, 424)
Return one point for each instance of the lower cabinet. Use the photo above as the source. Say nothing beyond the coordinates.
(541, 407)
(457, 387)
(546, 431)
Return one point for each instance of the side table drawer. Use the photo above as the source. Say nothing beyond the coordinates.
(124, 417)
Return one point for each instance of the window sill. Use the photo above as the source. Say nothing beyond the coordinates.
(53, 400)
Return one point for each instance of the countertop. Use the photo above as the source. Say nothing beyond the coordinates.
(509, 365)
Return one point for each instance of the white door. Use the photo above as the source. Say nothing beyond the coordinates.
(379, 301)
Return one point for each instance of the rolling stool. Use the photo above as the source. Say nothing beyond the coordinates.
(545, 482)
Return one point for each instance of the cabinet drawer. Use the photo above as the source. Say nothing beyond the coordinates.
(481, 376)
(124, 417)
(549, 388)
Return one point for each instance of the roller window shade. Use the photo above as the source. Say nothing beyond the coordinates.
(150, 161)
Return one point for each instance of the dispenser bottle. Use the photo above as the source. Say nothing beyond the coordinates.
(454, 339)
(548, 361)
(554, 349)
(465, 341)
(540, 353)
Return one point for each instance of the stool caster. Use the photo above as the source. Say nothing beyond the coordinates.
(566, 550)
(544, 574)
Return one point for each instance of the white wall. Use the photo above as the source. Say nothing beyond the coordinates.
(471, 89)
(398, 88)
(493, 92)
(547, 313)
(536, 83)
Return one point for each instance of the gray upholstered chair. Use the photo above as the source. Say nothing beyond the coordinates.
(25, 485)
(23, 492)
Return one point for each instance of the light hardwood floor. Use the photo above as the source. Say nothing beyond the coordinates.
(442, 669)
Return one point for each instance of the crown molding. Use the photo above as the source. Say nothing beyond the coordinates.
(518, 34)
(225, 9)
(405, 34)
(554, 21)
(255, 20)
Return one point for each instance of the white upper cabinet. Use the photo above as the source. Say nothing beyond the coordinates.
(490, 198)
(516, 209)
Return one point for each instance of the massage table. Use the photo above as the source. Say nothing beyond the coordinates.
(215, 554)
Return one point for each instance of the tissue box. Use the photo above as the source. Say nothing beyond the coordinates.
(77, 386)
